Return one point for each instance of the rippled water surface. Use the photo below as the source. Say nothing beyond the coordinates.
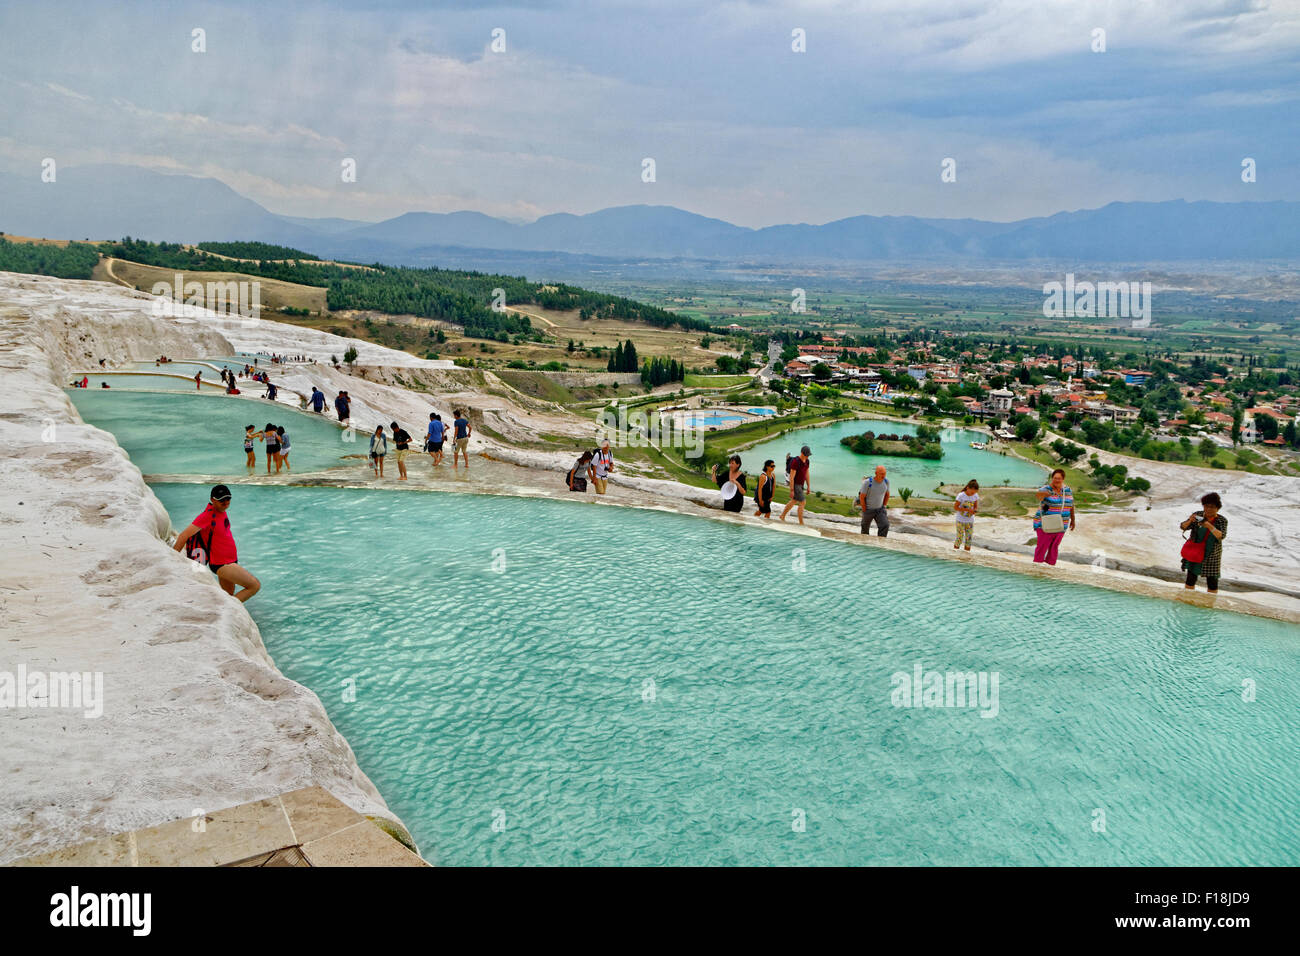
(503, 652)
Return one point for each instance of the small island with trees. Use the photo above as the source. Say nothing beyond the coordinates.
(924, 444)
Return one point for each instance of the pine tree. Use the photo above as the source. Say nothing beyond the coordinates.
(616, 359)
(630, 363)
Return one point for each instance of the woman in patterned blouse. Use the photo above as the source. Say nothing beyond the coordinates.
(1213, 527)
(1054, 498)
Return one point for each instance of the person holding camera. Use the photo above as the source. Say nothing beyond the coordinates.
(1207, 527)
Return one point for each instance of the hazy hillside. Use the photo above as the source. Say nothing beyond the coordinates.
(107, 202)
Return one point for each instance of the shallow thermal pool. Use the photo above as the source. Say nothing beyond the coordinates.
(148, 383)
(837, 470)
(203, 434)
(618, 686)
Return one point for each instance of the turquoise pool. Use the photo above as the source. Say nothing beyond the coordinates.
(710, 419)
(502, 651)
(837, 470)
(203, 434)
(146, 382)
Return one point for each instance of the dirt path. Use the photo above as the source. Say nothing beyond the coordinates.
(531, 315)
(309, 262)
(108, 268)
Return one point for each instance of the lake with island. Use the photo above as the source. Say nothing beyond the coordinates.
(837, 470)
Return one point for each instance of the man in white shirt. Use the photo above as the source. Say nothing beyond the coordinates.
(603, 464)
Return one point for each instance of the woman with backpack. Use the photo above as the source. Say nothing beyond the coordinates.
(1203, 552)
(209, 541)
(581, 470)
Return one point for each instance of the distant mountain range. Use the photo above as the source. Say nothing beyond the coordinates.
(108, 202)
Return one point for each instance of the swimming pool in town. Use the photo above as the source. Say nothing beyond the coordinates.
(709, 419)
(548, 682)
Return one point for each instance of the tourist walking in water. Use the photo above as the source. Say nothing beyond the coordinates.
(602, 465)
(250, 435)
(1055, 513)
(272, 439)
(765, 489)
(402, 443)
(209, 541)
(434, 437)
(378, 449)
(461, 445)
(966, 504)
(198, 380)
(271, 390)
(798, 479)
(317, 400)
(284, 449)
(342, 406)
(732, 485)
(580, 472)
(873, 499)
(1208, 528)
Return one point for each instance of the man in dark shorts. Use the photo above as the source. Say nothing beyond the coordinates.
(434, 437)
(216, 546)
(799, 482)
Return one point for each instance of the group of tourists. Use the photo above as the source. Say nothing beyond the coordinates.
(277, 447)
(1055, 515)
(435, 438)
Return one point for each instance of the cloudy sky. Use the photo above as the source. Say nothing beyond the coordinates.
(739, 125)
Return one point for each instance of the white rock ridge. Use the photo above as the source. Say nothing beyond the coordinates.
(196, 717)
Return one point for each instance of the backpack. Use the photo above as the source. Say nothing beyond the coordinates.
(197, 550)
(574, 482)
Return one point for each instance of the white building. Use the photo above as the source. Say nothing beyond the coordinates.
(1000, 401)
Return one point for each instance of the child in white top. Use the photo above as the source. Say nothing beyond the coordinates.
(967, 503)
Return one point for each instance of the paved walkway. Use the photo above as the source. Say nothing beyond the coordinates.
(307, 827)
